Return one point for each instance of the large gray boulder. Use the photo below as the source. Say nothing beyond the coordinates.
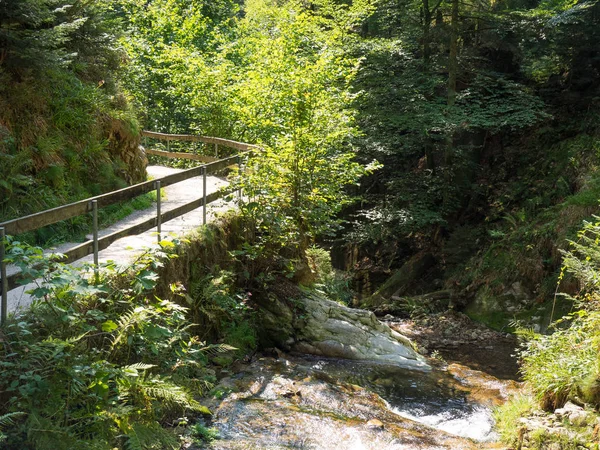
(317, 326)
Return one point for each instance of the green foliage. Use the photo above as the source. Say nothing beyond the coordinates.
(202, 434)
(329, 282)
(496, 104)
(223, 310)
(277, 76)
(509, 424)
(564, 364)
(62, 114)
(8, 420)
(98, 365)
(583, 261)
(296, 185)
(174, 84)
(508, 415)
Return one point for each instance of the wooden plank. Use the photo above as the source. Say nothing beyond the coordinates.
(194, 138)
(87, 248)
(206, 159)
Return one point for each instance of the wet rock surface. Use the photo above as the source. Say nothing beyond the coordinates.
(313, 325)
(333, 330)
(327, 404)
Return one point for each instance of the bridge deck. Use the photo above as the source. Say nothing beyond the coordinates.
(124, 250)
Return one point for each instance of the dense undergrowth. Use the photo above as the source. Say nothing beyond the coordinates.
(564, 365)
(488, 136)
(120, 361)
(98, 364)
(105, 363)
(65, 122)
(493, 186)
(531, 219)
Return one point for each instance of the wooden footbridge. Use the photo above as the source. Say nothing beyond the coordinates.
(211, 165)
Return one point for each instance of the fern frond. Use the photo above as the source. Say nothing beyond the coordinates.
(133, 440)
(171, 394)
(214, 349)
(205, 386)
(129, 320)
(139, 366)
(74, 339)
(8, 420)
(142, 436)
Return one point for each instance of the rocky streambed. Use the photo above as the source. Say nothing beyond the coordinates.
(283, 401)
(455, 338)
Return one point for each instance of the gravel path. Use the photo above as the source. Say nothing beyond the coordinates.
(124, 250)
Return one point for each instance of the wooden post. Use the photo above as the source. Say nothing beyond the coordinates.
(239, 162)
(95, 237)
(4, 305)
(203, 195)
(158, 210)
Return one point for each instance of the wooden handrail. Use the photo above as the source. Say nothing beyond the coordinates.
(87, 248)
(54, 215)
(206, 139)
(180, 155)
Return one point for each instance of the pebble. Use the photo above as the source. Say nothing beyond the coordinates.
(375, 424)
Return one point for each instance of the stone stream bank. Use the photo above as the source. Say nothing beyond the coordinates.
(362, 386)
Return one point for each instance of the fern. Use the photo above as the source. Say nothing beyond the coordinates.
(141, 436)
(133, 440)
(47, 434)
(139, 366)
(215, 349)
(8, 420)
(129, 320)
(171, 395)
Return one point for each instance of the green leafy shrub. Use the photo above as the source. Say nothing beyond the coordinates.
(223, 310)
(564, 365)
(98, 365)
(63, 116)
(203, 434)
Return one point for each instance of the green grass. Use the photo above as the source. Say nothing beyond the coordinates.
(573, 436)
(114, 213)
(508, 415)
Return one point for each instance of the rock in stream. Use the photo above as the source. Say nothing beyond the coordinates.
(306, 402)
(313, 325)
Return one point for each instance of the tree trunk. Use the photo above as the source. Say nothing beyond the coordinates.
(452, 75)
(426, 33)
(453, 57)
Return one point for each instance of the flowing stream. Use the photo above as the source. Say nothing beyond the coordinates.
(435, 399)
(307, 402)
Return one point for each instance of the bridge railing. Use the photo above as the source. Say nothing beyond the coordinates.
(193, 138)
(92, 204)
